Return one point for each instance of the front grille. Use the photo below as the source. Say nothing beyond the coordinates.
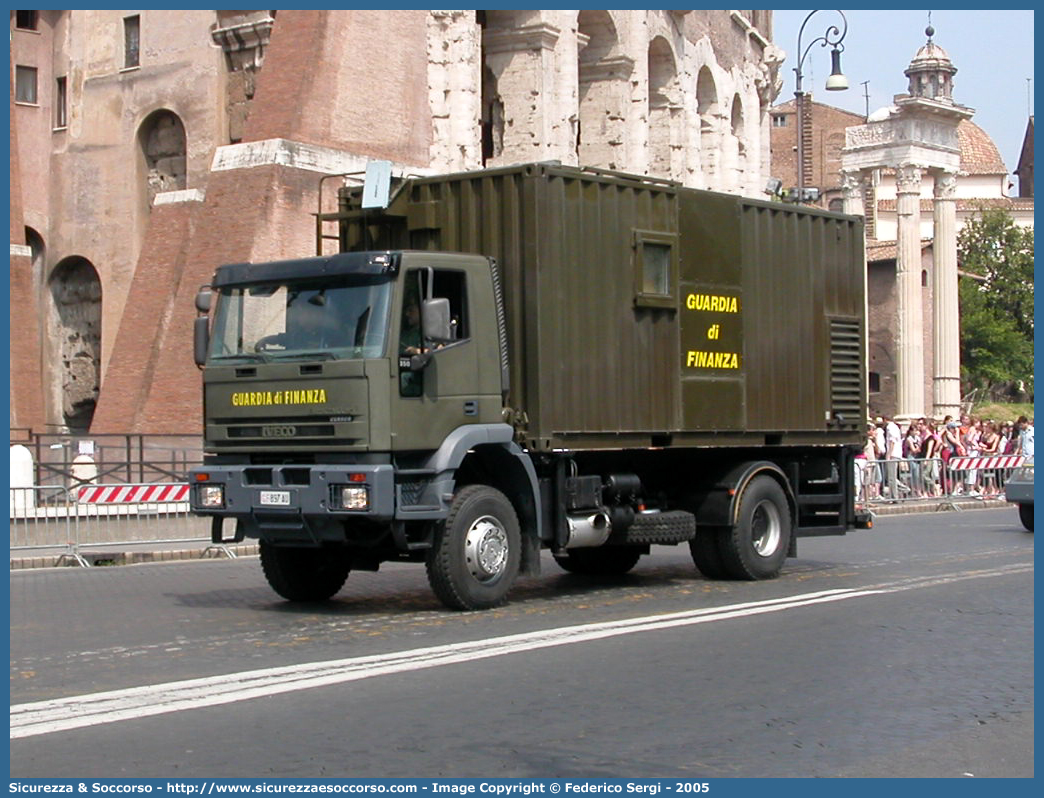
(299, 431)
(233, 420)
(285, 443)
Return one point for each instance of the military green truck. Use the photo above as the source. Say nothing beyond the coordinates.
(505, 361)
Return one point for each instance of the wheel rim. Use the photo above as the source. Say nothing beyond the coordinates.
(486, 549)
(766, 528)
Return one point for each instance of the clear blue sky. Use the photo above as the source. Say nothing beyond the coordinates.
(992, 50)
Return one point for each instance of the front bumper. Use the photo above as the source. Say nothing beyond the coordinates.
(251, 492)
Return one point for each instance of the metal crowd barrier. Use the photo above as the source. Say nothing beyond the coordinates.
(69, 521)
(880, 482)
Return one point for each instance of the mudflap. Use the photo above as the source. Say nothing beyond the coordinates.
(530, 565)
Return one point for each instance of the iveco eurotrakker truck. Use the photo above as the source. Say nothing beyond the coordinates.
(534, 358)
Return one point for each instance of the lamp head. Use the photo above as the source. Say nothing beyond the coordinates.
(837, 80)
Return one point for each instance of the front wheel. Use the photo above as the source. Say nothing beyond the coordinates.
(298, 573)
(1026, 516)
(756, 547)
(475, 557)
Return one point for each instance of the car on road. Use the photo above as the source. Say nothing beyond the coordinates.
(1019, 490)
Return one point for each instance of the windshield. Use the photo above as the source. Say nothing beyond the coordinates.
(329, 318)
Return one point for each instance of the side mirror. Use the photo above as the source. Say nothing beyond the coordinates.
(200, 339)
(203, 299)
(436, 325)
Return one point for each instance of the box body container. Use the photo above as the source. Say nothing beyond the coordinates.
(642, 313)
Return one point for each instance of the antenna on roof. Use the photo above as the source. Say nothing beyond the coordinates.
(866, 96)
(1029, 95)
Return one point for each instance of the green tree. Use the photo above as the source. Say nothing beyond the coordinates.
(996, 300)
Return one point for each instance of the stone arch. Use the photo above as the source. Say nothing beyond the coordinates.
(604, 91)
(600, 32)
(709, 111)
(664, 116)
(163, 148)
(74, 340)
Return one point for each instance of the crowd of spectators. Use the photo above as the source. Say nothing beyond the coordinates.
(914, 462)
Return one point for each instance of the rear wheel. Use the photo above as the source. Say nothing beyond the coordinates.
(600, 561)
(705, 552)
(756, 547)
(475, 557)
(1026, 516)
(298, 573)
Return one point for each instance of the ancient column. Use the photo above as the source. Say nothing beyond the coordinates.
(946, 331)
(852, 192)
(909, 338)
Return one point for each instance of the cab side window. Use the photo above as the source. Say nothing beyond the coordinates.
(451, 285)
(444, 284)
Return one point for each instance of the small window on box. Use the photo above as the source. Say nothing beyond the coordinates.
(25, 84)
(656, 270)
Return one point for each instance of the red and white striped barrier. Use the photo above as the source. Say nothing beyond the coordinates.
(131, 494)
(975, 463)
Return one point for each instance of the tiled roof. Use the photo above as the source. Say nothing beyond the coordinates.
(979, 155)
(886, 250)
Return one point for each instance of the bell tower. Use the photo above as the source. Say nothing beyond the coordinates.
(931, 72)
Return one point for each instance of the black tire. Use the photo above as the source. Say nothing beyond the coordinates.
(667, 528)
(756, 547)
(705, 552)
(304, 574)
(1026, 516)
(474, 559)
(601, 560)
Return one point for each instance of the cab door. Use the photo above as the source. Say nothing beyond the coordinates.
(459, 382)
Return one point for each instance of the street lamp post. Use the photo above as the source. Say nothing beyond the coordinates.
(836, 82)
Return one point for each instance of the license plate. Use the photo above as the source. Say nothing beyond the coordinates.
(275, 498)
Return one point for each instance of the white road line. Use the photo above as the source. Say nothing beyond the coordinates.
(46, 717)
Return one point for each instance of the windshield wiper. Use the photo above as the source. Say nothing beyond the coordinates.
(321, 354)
(244, 356)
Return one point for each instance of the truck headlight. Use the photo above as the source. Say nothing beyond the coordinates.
(212, 496)
(355, 498)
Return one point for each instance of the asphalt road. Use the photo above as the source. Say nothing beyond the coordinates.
(906, 650)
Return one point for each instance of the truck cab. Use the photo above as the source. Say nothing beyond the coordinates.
(341, 394)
